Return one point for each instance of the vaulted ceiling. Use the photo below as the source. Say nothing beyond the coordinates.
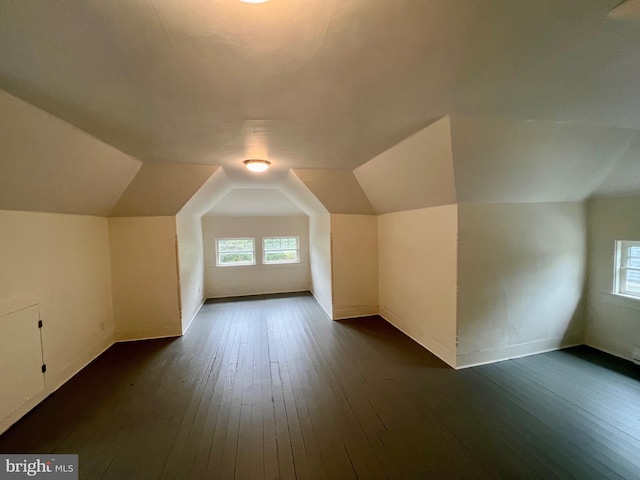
(316, 84)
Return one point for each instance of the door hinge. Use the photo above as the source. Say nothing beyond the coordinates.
(44, 368)
(39, 323)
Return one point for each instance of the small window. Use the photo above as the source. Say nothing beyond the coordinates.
(628, 268)
(235, 251)
(281, 250)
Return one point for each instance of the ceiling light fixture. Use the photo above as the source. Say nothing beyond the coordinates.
(257, 165)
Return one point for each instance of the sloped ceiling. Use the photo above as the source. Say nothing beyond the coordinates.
(218, 187)
(338, 190)
(624, 177)
(317, 85)
(255, 202)
(332, 83)
(47, 165)
(466, 159)
(519, 161)
(161, 189)
(415, 173)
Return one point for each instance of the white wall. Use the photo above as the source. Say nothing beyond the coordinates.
(255, 279)
(191, 267)
(144, 269)
(521, 277)
(61, 263)
(320, 257)
(417, 276)
(613, 322)
(354, 250)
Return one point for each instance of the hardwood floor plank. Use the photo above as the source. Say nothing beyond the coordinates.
(270, 388)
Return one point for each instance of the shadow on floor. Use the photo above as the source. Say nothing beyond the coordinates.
(249, 298)
(392, 343)
(610, 362)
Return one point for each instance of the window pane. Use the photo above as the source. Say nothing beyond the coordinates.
(236, 258)
(634, 251)
(633, 262)
(283, 256)
(633, 281)
(235, 245)
(281, 250)
(235, 251)
(284, 243)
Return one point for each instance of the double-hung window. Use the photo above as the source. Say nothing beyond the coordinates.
(235, 251)
(627, 278)
(281, 250)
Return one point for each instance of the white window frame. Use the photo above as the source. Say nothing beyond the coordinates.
(281, 262)
(235, 264)
(622, 268)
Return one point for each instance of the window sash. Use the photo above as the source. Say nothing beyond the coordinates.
(245, 247)
(287, 248)
(627, 274)
(630, 287)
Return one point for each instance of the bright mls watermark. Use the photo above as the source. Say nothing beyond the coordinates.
(53, 467)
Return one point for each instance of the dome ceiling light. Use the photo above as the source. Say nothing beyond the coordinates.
(256, 165)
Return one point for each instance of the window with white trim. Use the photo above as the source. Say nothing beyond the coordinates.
(235, 251)
(280, 250)
(627, 278)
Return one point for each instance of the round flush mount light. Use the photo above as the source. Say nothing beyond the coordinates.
(257, 165)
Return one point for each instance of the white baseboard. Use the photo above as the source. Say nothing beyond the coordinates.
(354, 311)
(439, 350)
(149, 333)
(247, 291)
(192, 315)
(484, 357)
(324, 304)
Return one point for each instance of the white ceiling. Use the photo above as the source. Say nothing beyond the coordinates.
(255, 202)
(313, 84)
(318, 87)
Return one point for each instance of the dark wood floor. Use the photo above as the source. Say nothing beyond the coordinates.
(271, 388)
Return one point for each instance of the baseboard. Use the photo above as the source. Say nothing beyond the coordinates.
(321, 301)
(440, 351)
(484, 357)
(149, 333)
(248, 291)
(54, 382)
(354, 311)
(192, 315)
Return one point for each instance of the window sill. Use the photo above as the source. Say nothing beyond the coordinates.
(235, 265)
(264, 265)
(620, 300)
